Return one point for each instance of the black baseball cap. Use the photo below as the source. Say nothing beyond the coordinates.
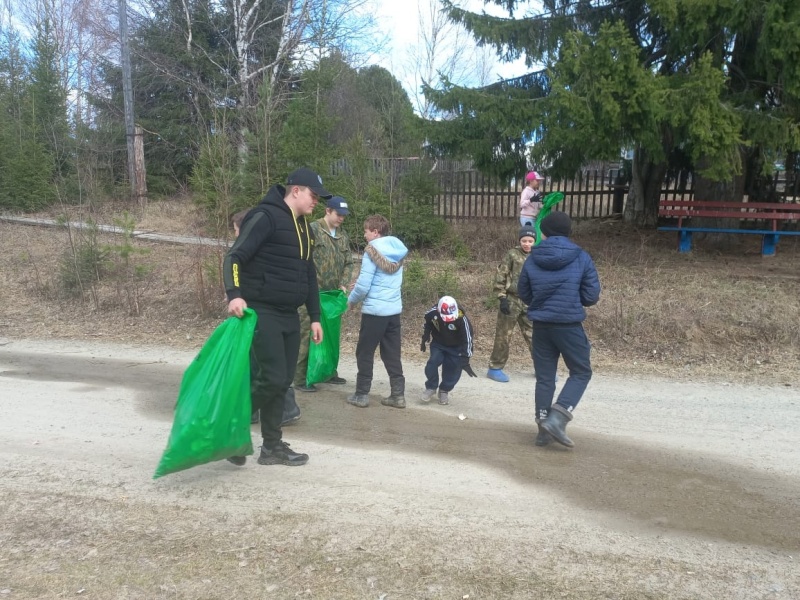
(308, 178)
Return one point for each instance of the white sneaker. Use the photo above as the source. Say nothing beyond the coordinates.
(443, 398)
(427, 395)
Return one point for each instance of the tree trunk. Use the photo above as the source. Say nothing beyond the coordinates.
(141, 174)
(731, 190)
(127, 93)
(647, 178)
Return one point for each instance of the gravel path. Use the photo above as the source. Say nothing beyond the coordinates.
(676, 489)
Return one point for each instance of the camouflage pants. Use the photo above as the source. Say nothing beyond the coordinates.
(305, 340)
(505, 330)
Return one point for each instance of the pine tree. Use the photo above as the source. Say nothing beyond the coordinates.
(26, 157)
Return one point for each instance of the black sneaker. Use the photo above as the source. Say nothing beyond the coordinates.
(255, 417)
(306, 388)
(337, 380)
(237, 460)
(281, 454)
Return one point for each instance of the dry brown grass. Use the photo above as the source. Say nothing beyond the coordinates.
(712, 314)
(89, 544)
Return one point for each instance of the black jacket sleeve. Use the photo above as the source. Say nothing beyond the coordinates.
(466, 345)
(427, 326)
(254, 232)
(312, 301)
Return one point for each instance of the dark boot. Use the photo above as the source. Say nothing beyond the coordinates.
(397, 397)
(239, 461)
(359, 400)
(291, 412)
(281, 454)
(542, 438)
(556, 423)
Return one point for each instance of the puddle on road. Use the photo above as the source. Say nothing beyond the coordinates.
(666, 489)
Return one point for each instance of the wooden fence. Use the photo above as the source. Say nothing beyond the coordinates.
(594, 192)
(591, 194)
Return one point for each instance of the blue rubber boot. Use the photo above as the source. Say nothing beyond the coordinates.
(497, 375)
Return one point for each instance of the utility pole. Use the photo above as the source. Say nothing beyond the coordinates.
(135, 175)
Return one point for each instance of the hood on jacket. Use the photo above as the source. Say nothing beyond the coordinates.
(555, 253)
(390, 247)
(275, 196)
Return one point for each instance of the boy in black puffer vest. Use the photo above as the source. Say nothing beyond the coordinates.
(270, 270)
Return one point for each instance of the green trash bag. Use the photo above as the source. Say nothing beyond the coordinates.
(323, 358)
(548, 202)
(212, 415)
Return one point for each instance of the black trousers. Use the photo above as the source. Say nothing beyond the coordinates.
(273, 357)
(378, 331)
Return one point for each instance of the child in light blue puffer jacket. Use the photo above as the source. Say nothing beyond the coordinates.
(378, 288)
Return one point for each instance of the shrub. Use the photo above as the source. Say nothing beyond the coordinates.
(417, 223)
(84, 263)
(423, 285)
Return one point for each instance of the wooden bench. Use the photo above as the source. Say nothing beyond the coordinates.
(758, 218)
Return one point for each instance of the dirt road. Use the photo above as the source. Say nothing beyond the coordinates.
(676, 489)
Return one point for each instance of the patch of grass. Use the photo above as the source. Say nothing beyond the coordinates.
(727, 315)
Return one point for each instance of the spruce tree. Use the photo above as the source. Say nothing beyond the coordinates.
(26, 156)
(659, 77)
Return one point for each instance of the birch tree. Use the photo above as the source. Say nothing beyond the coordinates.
(445, 50)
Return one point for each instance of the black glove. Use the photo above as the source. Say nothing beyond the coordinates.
(422, 346)
(505, 308)
(465, 366)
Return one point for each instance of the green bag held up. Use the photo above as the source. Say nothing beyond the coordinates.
(212, 415)
(323, 358)
(548, 202)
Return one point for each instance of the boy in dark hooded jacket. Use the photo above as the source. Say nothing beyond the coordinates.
(270, 269)
(557, 281)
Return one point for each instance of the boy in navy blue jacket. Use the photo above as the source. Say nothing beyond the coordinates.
(451, 347)
(557, 281)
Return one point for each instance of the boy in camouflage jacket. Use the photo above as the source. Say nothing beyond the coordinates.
(513, 311)
(333, 260)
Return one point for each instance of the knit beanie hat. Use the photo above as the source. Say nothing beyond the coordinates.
(527, 231)
(556, 223)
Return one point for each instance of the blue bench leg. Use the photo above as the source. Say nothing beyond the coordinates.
(768, 243)
(684, 241)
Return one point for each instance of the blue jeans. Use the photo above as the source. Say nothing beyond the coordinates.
(446, 357)
(569, 341)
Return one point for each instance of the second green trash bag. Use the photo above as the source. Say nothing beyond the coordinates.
(323, 358)
(212, 415)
